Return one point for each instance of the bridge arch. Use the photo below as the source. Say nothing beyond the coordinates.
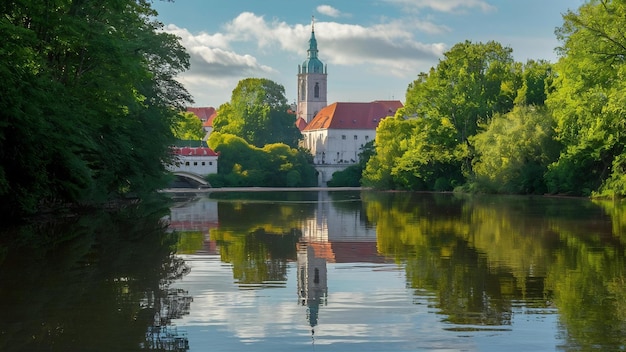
(193, 177)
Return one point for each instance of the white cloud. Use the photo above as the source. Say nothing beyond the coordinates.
(444, 5)
(390, 45)
(249, 45)
(328, 11)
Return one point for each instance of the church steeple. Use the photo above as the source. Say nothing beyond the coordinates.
(312, 64)
(311, 81)
(312, 42)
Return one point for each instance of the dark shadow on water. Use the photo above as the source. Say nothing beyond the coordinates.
(98, 282)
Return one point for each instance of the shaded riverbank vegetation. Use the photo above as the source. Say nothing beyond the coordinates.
(88, 102)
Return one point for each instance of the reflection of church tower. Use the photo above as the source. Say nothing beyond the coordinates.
(312, 281)
(311, 82)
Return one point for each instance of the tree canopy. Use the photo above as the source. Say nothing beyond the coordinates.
(427, 146)
(258, 112)
(87, 101)
(589, 101)
(188, 127)
(275, 165)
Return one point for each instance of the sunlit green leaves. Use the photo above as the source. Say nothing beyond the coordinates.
(588, 99)
(513, 153)
(274, 165)
(258, 113)
(188, 127)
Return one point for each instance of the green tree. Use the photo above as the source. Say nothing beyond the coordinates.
(390, 144)
(589, 101)
(537, 78)
(275, 165)
(188, 127)
(513, 153)
(473, 82)
(258, 113)
(87, 101)
(433, 157)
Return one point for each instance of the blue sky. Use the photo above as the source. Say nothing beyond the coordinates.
(373, 48)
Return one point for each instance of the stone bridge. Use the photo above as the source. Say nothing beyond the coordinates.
(192, 178)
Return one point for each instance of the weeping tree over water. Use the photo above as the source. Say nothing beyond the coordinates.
(87, 101)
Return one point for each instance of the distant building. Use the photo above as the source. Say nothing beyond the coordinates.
(200, 161)
(335, 133)
(338, 132)
(206, 115)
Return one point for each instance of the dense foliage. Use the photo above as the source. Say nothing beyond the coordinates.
(482, 120)
(275, 165)
(589, 101)
(258, 112)
(188, 127)
(87, 101)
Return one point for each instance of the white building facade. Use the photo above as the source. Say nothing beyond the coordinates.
(200, 161)
(337, 134)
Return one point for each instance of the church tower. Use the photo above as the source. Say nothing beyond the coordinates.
(311, 82)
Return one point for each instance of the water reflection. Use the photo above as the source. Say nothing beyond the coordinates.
(480, 263)
(350, 271)
(96, 283)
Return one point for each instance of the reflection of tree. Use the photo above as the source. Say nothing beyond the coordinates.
(481, 255)
(588, 274)
(258, 257)
(95, 283)
(259, 235)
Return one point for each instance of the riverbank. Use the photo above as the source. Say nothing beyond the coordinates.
(259, 189)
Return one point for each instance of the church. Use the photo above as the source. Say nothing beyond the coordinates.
(333, 133)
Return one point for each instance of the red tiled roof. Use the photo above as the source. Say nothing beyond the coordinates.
(301, 123)
(365, 116)
(189, 151)
(209, 121)
(203, 114)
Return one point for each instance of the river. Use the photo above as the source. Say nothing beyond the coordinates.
(320, 271)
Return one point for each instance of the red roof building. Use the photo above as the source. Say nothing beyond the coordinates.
(338, 132)
(200, 161)
(203, 113)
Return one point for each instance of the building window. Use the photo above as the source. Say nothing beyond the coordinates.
(186, 163)
(203, 163)
(195, 163)
(355, 137)
(210, 163)
(316, 90)
(343, 136)
(367, 138)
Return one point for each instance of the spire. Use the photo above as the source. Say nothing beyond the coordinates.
(312, 42)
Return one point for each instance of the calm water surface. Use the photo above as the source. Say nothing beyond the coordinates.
(322, 271)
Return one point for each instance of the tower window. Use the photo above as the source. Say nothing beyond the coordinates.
(356, 137)
(316, 90)
(343, 136)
